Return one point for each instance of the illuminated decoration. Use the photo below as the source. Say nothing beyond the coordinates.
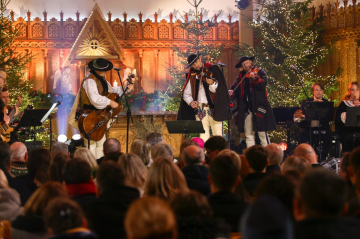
(62, 138)
(283, 146)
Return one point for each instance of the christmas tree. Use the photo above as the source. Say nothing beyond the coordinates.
(286, 34)
(194, 26)
(13, 62)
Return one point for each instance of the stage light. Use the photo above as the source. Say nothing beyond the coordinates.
(62, 138)
(76, 137)
(283, 146)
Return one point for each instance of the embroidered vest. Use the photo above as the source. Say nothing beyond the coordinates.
(84, 99)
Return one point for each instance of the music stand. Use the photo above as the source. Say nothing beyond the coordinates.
(185, 127)
(352, 117)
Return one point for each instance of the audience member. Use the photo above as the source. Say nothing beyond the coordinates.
(59, 147)
(110, 145)
(142, 149)
(165, 179)
(134, 170)
(78, 180)
(150, 217)
(199, 141)
(114, 157)
(31, 224)
(37, 158)
(194, 170)
(354, 164)
(154, 138)
(10, 205)
(88, 156)
(297, 163)
(223, 178)
(183, 145)
(195, 218)
(64, 219)
(106, 215)
(279, 186)
(23, 187)
(306, 151)
(42, 175)
(214, 145)
(275, 157)
(266, 218)
(56, 167)
(244, 171)
(256, 157)
(162, 150)
(318, 203)
(19, 155)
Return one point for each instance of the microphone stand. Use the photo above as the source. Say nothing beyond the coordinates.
(128, 114)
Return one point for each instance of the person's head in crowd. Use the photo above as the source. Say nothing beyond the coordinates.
(110, 177)
(3, 180)
(233, 155)
(142, 149)
(266, 218)
(357, 184)
(185, 144)
(256, 157)
(64, 216)
(192, 155)
(114, 157)
(76, 171)
(18, 152)
(275, 154)
(295, 175)
(150, 217)
(5, 156)
(163, 150)
(190, 204)
(134, 170)
(87, 155)
(306, 151)
(344, 164)
(223, 174)
(41, 175)
(154, 138)
(214, 145)
(165, 179)
(244, 170)
(317, 90)
(320, 194)
(354, 164)
(111, 145)
(37, 158)
(56, 167)
(59, 147)
(199, 141)
(297, 163)
(353, 91)
(42, 196)
(279, 186)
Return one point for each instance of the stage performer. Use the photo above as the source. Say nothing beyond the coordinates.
(349, 137)
(254, 110)
(204, 96)
(91, 97)
(317, 127)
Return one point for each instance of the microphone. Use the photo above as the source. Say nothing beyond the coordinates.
(116, 69)
(294, 68)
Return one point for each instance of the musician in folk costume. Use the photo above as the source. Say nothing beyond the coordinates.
(254, 110)
(91, 97)
(204, 97)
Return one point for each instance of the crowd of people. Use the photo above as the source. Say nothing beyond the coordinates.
(210, 191)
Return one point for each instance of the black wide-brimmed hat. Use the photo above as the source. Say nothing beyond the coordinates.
(100, 64)
(192, 58)
(242, 59)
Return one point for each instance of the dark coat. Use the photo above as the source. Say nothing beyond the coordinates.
(24, 187)
(263, 116)
(252, 180)
(272, 168)
(226, 205)
(107, 214)
(222, 100)
(75, 235)
(196, 178)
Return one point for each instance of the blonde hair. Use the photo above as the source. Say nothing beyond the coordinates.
(134, 170)
(86, 154)
(150, 217)
(165, 179)
(142, 149)
(297, 163)
(348, 93)
(38, 201)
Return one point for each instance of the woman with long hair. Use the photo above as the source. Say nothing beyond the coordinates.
(142, 149)
(86, 154)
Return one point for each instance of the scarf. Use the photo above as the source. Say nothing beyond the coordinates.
(78, 189)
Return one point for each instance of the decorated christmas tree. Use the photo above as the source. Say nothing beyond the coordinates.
(286, 34)
(13, 62)
(196, 29)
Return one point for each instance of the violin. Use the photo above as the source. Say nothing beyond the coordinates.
(206, 74)
(254, 69)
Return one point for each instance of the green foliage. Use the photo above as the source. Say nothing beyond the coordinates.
(143, 127)
(286, 35)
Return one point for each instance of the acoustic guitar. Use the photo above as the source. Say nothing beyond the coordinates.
(5, 128)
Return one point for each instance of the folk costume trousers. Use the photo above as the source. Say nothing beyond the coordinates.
(250, 133)
(96, 147)
(207, 122)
